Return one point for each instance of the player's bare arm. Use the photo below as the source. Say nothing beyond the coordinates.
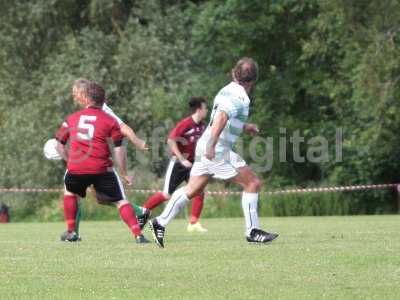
(121, 159)
(251, 128)
(219, 123)
(133, 138)
(173, 146)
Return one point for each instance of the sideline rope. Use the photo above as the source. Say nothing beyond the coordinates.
(225, 192)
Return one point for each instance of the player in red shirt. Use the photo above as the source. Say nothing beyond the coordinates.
(88, 132)
(78, 95)
(182, 143)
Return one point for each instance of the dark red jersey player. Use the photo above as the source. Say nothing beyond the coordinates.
(182, 143)
(186, 134)
(89, 132)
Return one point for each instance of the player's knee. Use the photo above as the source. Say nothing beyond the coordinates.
(67, 193)
(190, 191)
(122, 203)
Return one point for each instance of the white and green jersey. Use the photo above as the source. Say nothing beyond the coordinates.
(233, 100)
(110, 112)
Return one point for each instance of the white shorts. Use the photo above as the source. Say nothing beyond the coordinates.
(223, 168)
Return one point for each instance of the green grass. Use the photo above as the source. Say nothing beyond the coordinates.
(314, 258)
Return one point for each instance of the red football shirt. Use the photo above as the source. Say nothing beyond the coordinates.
(186, 134)
(88, 132)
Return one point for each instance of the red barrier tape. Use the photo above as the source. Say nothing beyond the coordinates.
(222, 193)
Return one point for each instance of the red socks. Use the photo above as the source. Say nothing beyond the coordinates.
(70, 210)
(126, 211)
(128, 216)
(154, 200)
(197, 207)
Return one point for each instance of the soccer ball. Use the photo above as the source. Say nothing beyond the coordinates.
(50, 150)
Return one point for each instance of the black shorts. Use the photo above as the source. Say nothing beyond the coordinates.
(176, 174)
(108, 187)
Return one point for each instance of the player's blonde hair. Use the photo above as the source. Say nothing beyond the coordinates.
(245, 70)
(81, 85)
(91, 90)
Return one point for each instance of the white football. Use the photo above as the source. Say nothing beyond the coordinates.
(50, 150)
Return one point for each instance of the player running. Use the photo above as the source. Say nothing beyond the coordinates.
(89, 163)
(182, 143)
(215, 158)
(78, 94)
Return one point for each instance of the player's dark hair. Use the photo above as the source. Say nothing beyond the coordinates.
(195, 103)
(95, 93)
(246, 70)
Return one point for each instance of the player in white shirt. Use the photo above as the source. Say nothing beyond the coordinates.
(215, 157)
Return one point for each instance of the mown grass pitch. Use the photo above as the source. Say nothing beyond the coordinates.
(314, 258)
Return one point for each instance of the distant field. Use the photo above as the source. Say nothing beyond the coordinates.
(314, 258)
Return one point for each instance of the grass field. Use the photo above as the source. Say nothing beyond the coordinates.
(314, 258)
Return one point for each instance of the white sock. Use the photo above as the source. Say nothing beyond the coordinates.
(175, 204)
(249, 206)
